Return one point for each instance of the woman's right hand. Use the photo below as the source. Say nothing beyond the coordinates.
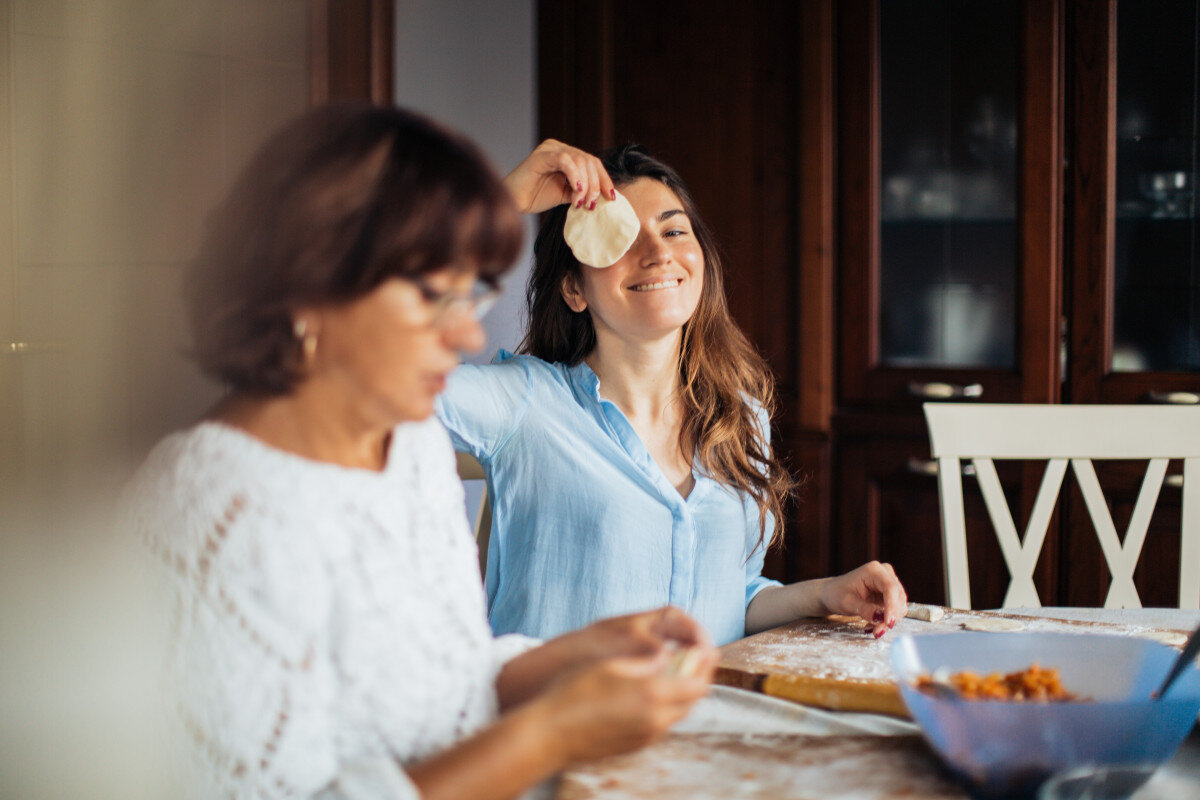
(621, 704)
(556, 173)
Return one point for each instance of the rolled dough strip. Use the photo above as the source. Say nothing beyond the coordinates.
(993, 624)
(601, 236)
(925, 613)
(878, 697)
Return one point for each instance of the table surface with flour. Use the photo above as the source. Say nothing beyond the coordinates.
(811, 710)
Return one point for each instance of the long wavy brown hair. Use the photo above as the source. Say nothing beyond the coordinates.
(724, 382)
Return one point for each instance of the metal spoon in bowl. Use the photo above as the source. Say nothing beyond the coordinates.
(1190, 650)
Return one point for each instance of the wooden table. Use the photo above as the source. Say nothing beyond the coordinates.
(746, 744)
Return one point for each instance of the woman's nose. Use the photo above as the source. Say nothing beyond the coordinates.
(461, 331)
(652, 249)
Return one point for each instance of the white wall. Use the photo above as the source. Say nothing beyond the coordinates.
(471, 64)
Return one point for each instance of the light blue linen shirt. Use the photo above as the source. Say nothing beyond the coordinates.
(584, 523)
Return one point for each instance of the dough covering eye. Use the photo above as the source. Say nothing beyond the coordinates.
(600, 237)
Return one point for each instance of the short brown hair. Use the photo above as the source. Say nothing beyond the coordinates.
(340, 200)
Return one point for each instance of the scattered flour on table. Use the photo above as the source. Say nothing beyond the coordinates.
(845, 651)
(767, 766)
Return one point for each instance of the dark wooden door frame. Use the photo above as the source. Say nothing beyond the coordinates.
(350, 50)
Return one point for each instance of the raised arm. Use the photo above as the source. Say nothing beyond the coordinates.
(556, 173)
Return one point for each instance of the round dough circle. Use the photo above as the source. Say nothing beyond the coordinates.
(601, 236)
(993, 624)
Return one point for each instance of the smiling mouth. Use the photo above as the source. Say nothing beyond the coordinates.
(669, 283)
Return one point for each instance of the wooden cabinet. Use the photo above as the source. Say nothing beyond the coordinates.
(920, 201)
(1079, 287)
(949, 267)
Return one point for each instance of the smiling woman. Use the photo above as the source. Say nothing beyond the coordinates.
(627, 448)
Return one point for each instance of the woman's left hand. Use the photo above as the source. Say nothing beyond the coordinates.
(556, 173)
(643, 633)
(872, 592)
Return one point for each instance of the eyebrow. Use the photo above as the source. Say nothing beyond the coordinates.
(670, 213)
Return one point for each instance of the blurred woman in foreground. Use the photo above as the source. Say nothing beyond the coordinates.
(327, 633)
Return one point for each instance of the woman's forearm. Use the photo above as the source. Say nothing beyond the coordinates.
(500, 762)
(777, 605)
(872, 592)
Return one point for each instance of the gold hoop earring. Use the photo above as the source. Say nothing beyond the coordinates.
(308, 341)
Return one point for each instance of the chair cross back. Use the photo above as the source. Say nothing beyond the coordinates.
(1061, 435)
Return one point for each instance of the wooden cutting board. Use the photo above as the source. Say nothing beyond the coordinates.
(835, 663)
(775, 766)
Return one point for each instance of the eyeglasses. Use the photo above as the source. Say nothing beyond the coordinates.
(477, 301)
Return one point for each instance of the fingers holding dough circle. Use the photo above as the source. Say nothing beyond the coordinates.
(600, 237)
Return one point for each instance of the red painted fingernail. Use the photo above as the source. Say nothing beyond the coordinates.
(878, 617)
(879, 633)
(579, 186)
(592, 206)
(612, 194)
(579, 203)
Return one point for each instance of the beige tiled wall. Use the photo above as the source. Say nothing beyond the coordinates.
(125, 122)
(121, 123)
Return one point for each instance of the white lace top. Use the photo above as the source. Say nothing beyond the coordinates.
(326, 625)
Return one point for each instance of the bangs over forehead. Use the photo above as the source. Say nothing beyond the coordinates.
(340, 200)
(436, 210)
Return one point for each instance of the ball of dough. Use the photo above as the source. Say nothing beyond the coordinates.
(601, 236)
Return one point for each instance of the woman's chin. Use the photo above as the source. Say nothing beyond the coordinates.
(665, 323)
(417, 409)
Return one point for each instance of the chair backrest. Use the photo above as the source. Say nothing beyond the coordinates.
(1059, 434)
(471, 470)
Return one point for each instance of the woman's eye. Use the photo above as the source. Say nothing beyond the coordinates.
(429, 294)
(676, 232)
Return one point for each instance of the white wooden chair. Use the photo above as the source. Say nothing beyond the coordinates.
(471, 470)
(1059, 434)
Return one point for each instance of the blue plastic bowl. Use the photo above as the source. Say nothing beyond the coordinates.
(1006, 749)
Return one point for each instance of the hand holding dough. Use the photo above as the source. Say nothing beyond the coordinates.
(600, 237)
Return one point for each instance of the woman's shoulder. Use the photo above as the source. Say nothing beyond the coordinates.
(208, 455)
(186, 460)
(515, 374)
(539, 371)
(506, 362)
(211, 504)
(196, 480)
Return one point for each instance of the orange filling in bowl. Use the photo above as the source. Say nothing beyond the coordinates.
(1035, 684)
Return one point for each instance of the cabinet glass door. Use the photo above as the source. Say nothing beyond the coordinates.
(1156, 298)
(948, 88)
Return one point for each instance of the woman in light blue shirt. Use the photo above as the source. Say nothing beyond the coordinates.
(627, 449)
